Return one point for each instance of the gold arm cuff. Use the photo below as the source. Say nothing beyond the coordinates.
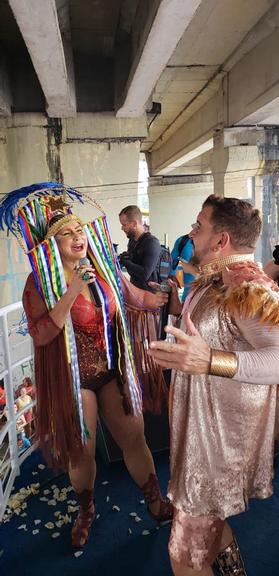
(223, 363)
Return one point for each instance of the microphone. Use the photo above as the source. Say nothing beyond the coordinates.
(164, 312)
(94, 292)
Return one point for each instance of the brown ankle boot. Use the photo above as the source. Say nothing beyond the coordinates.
(86, 515)
(152, 493)
(229, 561)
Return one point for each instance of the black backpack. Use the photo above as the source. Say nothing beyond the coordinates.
(165, 264)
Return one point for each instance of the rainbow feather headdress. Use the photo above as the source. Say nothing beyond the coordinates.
(26, 213)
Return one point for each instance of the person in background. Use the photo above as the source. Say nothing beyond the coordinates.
(23, 441)
(143, 252)
(225, 377)
(30, 388)
(182, 253)
(22, 402)
(2, 396)
(271, 268)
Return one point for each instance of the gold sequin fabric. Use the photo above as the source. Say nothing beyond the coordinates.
(221, 429)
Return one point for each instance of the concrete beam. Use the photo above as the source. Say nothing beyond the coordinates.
(249, 95)
(189, 156)
(46, 31)
(194, 134)
(169, 24)
(5, 93)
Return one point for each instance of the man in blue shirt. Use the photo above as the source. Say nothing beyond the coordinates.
(183, 249)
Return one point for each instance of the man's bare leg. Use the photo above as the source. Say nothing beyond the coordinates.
(229, 560)
(226, 538)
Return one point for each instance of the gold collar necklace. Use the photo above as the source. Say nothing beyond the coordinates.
(221, 263)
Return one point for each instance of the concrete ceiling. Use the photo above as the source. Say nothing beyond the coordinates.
(63, 57)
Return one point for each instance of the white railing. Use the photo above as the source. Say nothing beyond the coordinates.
(16, 363)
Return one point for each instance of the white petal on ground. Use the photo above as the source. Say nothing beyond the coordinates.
(145, 532)
(72, 509)
(55, 535)
(78, 553)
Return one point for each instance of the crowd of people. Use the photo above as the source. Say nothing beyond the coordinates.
(223, 352)
(24, 395)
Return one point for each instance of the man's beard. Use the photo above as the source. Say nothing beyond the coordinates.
(130, 235)
(194, 260)
(202, 257)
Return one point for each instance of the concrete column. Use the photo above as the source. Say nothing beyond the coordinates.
(268, 189)
(219, 163)
(235, 159)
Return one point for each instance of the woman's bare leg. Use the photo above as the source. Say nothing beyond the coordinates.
(83, 475)
(128, 433)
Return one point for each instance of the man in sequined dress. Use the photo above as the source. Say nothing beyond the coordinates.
(225, 359)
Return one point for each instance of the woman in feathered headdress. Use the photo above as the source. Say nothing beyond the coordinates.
(83, 353)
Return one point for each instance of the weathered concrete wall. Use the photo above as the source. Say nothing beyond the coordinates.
(97, 153)
(173, 208)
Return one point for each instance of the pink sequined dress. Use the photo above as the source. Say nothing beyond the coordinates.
(222, 430)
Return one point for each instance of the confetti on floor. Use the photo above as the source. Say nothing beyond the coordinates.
(78, 553)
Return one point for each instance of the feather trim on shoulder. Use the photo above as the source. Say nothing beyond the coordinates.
(250, 299)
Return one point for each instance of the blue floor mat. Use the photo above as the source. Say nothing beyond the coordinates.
(118, 543)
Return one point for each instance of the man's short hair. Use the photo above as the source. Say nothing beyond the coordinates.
(132, 212)
(237, 217)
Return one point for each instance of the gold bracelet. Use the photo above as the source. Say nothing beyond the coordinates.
(223, 363)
